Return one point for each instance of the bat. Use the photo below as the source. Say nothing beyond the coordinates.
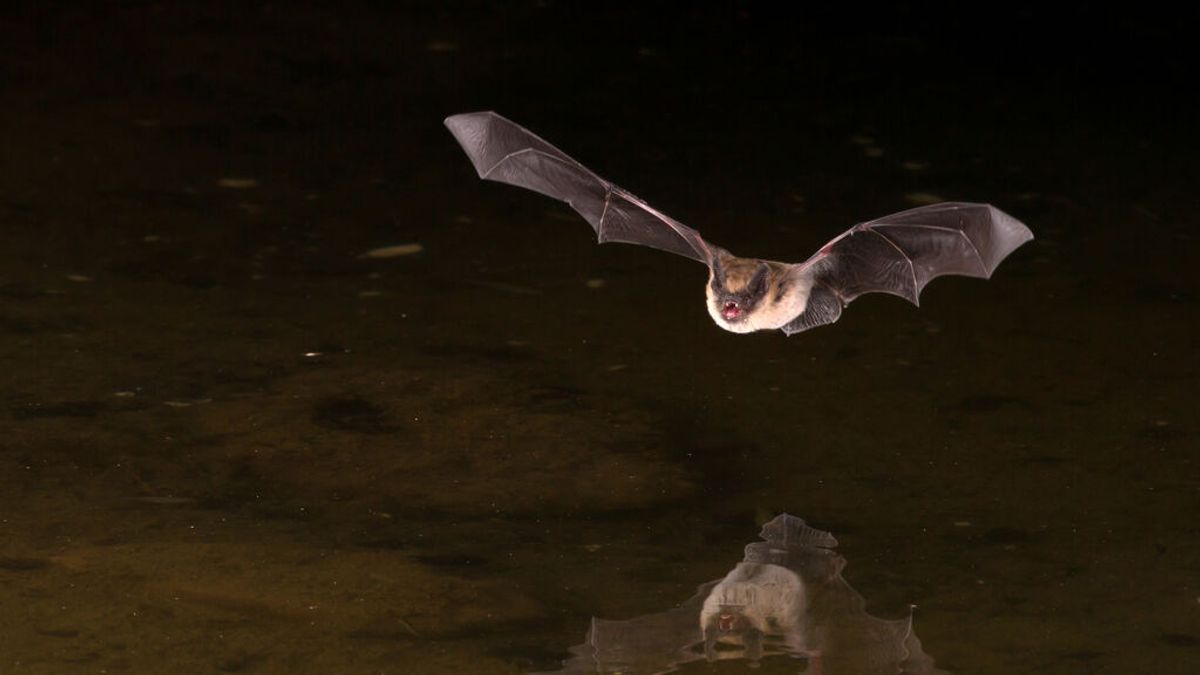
(785, 600)
(896, 254)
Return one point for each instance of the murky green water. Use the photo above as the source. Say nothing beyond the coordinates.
(233, 444)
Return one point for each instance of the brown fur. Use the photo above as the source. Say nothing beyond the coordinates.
(739, 272)
(786, 294)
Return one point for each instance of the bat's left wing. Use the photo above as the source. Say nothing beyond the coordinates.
(900, 253)
(503, 151)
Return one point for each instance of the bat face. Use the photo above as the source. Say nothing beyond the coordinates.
(731, 628)
(746, 294)
(728, 624)
(735, 289)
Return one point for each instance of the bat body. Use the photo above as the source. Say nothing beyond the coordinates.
(785, 600)
(752, 601)
(896, 254)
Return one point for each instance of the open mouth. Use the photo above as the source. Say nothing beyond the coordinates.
(731, 311)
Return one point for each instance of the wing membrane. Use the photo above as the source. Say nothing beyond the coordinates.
(505, 152)
(901, 253)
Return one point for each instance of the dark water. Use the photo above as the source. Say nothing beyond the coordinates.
(233, 444)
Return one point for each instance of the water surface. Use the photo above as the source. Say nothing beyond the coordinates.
(232, 443)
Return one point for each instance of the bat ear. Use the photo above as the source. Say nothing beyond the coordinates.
(718, 273)
(758, 285)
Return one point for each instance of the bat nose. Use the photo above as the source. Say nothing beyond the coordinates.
(731, 310)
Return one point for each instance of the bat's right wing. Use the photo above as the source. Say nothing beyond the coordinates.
(505, 152)
(653, 643)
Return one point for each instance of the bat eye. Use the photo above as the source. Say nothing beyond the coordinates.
(758, 286)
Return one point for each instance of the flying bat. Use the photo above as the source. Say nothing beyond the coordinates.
(786, 600)
(896, 254)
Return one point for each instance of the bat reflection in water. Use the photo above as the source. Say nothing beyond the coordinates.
(786, 600)
(896, 254)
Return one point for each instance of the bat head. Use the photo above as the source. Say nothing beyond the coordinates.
(736, 288)
(730, 621)
(730, 626)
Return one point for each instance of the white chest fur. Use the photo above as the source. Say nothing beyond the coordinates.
(772, 598)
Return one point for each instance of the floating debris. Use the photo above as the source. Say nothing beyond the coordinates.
(501, 286)
(124, 394)
(237, 183)
(912, 165)
(873, 151)
(393, 251)
(859, 139)
(595, 283)
(441, 46)
(370, 294)
(923, 198)
(187, 404)
(79, 278)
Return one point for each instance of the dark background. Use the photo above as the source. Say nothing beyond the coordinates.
(234, 444)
